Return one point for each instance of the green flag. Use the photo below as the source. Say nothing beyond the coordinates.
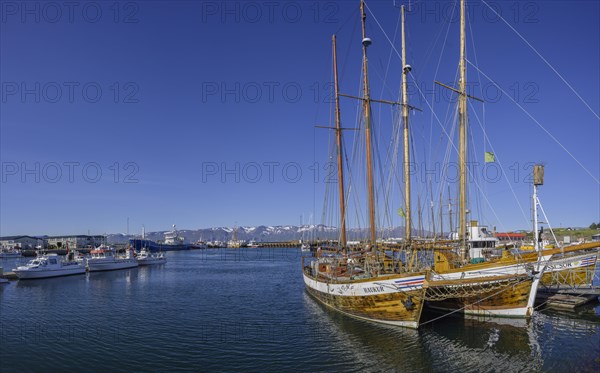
(401, 212)
(489, 157)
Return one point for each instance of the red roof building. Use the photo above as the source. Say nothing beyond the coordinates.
(511, 236)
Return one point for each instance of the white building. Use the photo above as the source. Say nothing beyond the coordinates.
(23, 242)
(75, 242)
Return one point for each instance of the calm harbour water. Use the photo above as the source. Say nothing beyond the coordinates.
(246, 310)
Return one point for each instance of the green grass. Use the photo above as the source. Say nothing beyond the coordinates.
(576, 234)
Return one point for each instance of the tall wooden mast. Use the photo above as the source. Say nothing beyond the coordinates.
(462, 123)
(405, 116)
(367, 112)
(338, 132)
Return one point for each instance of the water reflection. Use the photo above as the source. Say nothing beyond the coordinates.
(545, 342)
(214, 311)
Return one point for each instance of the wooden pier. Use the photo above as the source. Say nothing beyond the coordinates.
(569, 298)
(280, 244)
(8, 275)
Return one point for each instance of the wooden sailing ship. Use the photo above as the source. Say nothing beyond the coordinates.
(571, 269)
(391, 286)
(514, 296)
(366, 283)
(500, 287)
(495, 287)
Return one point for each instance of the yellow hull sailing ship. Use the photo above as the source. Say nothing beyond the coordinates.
(393, 283)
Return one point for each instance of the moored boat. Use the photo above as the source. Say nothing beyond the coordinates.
(50, 265)
(571, 267)
(6, 253)
(467, 274)
(343, 284)
(369, 282)
(145, 257)
(500, 288)
(105, 259)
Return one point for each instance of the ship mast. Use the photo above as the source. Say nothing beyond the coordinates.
(462, 134)
(538, 179)
(338, 132)
(405, 70)
(462, 125)
(367, 112)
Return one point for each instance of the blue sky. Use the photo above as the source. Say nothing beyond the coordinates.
(201, 113)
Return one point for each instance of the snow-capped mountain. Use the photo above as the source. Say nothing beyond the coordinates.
(261, 233)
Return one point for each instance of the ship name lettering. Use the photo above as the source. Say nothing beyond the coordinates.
(373, 289)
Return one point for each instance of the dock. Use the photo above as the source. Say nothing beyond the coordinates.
(280, 244)
(8, 275)
(569, 298)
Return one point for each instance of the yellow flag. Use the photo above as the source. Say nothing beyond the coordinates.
(490, 157)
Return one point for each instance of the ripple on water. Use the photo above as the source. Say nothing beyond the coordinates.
(220, 310)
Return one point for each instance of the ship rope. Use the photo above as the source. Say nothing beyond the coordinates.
(437, 293)
(470, 305)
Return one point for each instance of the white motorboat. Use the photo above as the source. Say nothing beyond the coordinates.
(105, 259)
(145, 257)
(50, 265)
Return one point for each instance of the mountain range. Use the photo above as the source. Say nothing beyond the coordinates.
(261, 233)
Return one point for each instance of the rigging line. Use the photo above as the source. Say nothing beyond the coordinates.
(469, 171)
(395, 176)
(437, 68)
(471, 154)
(348, 49)
(356, 150)
(448, 153)
(392, 44)
(538, 123)
(476, 302)
(377, 172)
(389, 62)
(547, 220)
(382, 30)
(473, 150)
(434, 43)
(502, 170)
(391, 161)
(543, 59)
(483, 123)
(449, 113)
(351, 16)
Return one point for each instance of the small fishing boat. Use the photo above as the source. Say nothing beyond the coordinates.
(50, 265)
(105, 259)
(145, 258)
